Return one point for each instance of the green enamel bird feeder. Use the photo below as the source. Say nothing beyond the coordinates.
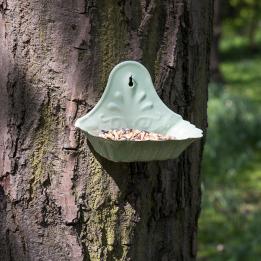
(130, 101)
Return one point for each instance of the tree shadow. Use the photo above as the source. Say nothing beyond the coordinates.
(240, 52)
(133, 178)
(8, 242)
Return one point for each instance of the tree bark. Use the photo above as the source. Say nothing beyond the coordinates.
(59, 201)
(253, 25)
(215, 73)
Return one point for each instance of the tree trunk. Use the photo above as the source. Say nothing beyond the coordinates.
(253, 25)
(215, 73)
(58, 201)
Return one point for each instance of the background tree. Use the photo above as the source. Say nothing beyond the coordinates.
(239, 17)
(58, 200)
(216, 75)
(243, 17)
(229, 222)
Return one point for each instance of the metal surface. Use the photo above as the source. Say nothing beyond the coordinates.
(130, 101)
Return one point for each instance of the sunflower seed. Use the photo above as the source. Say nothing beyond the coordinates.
(133, 135)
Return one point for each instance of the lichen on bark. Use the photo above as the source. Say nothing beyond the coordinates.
(112, 36)
(81, 206)
(42, 144)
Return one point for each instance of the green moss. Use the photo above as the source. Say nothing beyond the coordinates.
(151, 42)
(104, 218)
(42, 145)
(96, 174)
(157, 63)
(42, 34)
(111, 216)
(112, 37)
(82, 55)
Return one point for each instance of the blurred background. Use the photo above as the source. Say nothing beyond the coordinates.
(230, 222)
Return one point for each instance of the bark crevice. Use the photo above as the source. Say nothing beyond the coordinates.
(59, 200)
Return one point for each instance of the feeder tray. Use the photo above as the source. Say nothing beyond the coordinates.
(130, 101)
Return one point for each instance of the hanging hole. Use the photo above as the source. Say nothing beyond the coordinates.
(131, 83)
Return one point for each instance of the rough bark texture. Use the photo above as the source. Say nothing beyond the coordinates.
(215, 73)
(58, 201)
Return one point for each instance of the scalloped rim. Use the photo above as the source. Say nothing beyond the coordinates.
(78, 122)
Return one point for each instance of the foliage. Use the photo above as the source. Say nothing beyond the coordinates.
(230, 224)
(240, 15)
(233, 135)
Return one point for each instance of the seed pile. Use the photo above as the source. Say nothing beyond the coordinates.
(132, 134)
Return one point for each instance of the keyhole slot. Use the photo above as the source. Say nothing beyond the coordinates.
(131, 83)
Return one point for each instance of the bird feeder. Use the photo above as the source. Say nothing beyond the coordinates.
(130, 101)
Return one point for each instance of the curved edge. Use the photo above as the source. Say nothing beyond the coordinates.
(164, 150)
(185, 130)
(198, 134)
(198, 130)
(115, 68)
(77, 123)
